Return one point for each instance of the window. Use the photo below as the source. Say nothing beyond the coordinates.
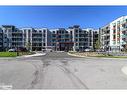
(53, 44)
(39, 30)
(71, 32)
(28, 30)
(76, 35)
(76, 31)
(54, 35)
(43, 35)
(76, 39)
(44, 31)
(114, 31)
(114, 42)
(66, 31)
(43, 44)
(114, 36)
(39, 44)
(53, 31)
(62, 32)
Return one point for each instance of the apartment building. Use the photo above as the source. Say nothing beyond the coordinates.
(83, 38)
(113, 36)
(73, 38)
(105, 37)
(10, 37)
(30, 38)
(1, 39)
(60, 39)
(36, 39)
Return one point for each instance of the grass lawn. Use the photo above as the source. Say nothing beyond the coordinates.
(14, 54)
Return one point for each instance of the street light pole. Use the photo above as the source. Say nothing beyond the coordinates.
(17, 51)
(82, 48)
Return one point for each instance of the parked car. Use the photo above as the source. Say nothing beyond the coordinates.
(88, 49)
(12, 50)
(49, 50)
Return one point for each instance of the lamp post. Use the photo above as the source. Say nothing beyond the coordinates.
(17, 51)
(82, 48)
(57, 46)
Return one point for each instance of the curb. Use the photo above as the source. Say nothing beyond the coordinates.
(38, 54)
(95, 57)
(33, 55)
(75, 55)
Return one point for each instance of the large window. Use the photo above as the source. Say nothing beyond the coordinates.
(76, 35)
(53, 31)
(62, 32)
(44, 31)
(76, 31)
(76, 40)
(114, 36)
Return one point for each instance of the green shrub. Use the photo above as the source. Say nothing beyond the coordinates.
(8, 54)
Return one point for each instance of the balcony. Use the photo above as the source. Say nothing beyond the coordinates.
(124, 29)
(36, 33)
(37, 41)
(81, 36)
(36, 46)
(118, 39)
(123, 42)
(37, 37)
(124, 36)
(17, 41)
(118, 32)
(82, 32)
(82, 41)
(18, 32)
(114, 39)
(114, 28)
(16, 36)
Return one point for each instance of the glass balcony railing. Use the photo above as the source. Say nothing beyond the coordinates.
(124, 36)
(123, 29)
(123, 42)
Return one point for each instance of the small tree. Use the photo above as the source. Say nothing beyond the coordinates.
(97, 45)
(125, 47)
(28, 45)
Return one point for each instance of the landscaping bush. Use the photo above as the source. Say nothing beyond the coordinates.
(8, 54)
(14, 54)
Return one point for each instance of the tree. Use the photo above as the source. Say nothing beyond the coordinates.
(97, 45)
(125, 47)
(28, 45)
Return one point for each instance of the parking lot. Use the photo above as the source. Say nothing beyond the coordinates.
(58, 70)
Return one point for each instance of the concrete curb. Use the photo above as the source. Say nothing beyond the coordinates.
(33, 55)
(37, 54)
(75, 55)
(95, 57)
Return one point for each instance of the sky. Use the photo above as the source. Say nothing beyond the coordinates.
(60, 16)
